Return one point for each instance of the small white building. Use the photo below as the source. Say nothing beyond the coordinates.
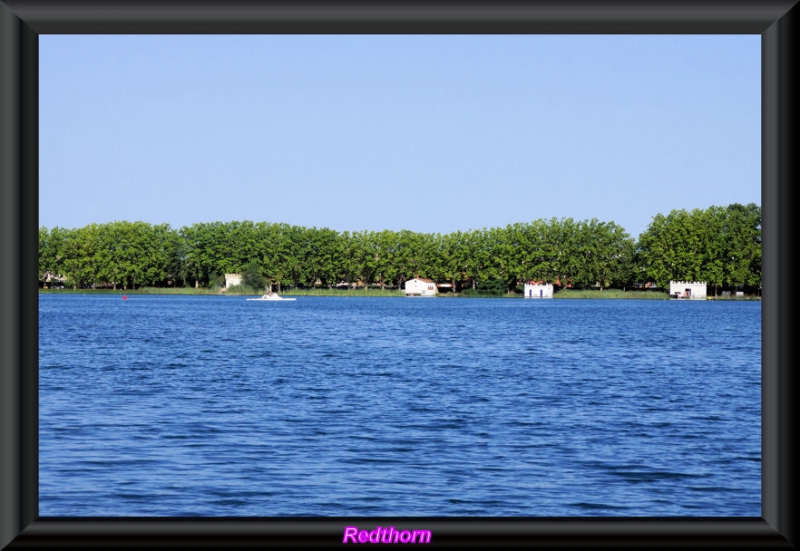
(233, 279)
(421, 286)
(688, 290)
(534, 289)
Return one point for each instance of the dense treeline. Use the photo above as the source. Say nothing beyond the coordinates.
(721, 245)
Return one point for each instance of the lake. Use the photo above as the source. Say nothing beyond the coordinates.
(349, 406)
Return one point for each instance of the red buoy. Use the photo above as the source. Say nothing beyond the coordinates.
(124, 297)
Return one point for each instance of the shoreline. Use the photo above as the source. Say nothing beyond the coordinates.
(607, 294)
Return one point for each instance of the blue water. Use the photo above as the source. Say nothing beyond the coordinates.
(217, 406)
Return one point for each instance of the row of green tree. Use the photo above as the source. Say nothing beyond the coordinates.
(720, 245)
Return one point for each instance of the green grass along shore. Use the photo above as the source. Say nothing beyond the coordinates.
(607, 294)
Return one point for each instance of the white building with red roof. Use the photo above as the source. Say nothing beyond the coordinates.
(421, 286)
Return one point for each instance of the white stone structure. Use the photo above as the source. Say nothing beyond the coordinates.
(233, 279)
(688, 290)
(421, 286)
(534, 289)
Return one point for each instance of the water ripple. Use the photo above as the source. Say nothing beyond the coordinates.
(209, 406)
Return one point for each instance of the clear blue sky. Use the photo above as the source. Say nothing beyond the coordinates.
(426, 133)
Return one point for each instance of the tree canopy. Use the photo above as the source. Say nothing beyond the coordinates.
(720, 245)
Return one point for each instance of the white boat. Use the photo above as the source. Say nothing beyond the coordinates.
(271, 296)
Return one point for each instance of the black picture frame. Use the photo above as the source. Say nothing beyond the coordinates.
(22, 21)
